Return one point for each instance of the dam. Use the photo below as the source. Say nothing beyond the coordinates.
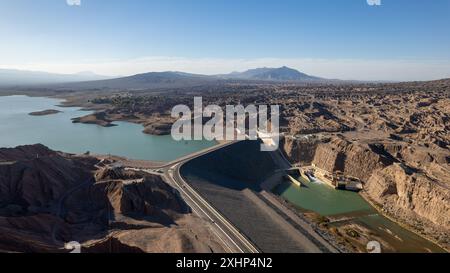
(232, 180)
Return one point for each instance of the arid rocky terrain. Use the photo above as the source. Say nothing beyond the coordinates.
(396, 141)
(393, 137)
(50, 198)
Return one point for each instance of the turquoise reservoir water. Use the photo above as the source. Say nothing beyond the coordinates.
(58, 132)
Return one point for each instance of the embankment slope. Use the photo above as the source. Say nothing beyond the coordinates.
(230, 179)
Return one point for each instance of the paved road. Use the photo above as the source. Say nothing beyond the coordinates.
(197, 154)
(231, 238)
(228, 234)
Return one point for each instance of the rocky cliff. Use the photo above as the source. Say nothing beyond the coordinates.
(353, 159)
(397, 188)
(300, 150)
(409, 182)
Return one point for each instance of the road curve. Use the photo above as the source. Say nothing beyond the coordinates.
(231, 238)
(227, 232)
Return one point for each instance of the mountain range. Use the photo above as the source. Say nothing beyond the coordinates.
(272, 74)
(13, 77)
(150, 80)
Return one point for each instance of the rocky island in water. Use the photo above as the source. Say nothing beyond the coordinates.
(45, 112)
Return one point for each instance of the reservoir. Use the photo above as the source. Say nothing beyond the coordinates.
(58, 132)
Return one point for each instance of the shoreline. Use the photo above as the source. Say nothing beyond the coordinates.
(400, 223)
(132, 163)
(74, 110)
(372, 205)
(152, 125)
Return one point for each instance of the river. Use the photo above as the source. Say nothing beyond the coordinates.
(326, 201)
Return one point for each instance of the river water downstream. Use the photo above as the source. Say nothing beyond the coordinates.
(326, 201)
(57, 132)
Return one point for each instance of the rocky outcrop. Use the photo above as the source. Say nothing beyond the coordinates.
(397, 188)
(186, 237)
(147, 197)
(99, 118)
(115, 173)
(45, 112)
(353, 159)
(300, 150)
(158, 128)
(36, 177)
(27, 152)
(48, 198)
(336, 154)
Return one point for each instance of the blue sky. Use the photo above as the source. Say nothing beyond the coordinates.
(332, 38)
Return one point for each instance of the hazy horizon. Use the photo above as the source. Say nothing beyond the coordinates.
(402, 40)
(316, 65)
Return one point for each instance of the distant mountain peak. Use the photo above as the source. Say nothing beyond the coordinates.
(149, 80)
(283, 73)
